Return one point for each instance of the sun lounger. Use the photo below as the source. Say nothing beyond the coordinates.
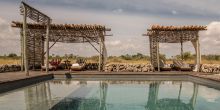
(179, 65)
(50, 67)
(77, 67)
(164, 67)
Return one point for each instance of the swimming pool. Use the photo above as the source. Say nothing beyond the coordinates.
(69, 94)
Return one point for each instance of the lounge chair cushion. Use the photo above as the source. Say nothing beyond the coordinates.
(75, 64)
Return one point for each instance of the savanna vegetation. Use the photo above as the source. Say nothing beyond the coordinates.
(188, 57)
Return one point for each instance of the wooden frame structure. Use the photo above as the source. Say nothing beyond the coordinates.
(29, 12)
(173, 34)
(35, 35)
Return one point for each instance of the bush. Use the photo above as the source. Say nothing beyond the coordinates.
(126, 57)
(95, 58)
(12, 55)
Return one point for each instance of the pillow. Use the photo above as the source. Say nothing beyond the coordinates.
(75, 64)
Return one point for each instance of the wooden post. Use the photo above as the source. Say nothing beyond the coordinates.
(158, 56)
(34, 51)
(99, 56)
(25, 42)
(47, 46)
(197, 50)
(22, 50)
(198, 55)
(150, 41)
(101, 53)
(181, 48)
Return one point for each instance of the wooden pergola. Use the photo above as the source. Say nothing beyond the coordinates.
(35, 35)
(173, 34)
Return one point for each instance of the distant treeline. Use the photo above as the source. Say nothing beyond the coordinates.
(138, 56)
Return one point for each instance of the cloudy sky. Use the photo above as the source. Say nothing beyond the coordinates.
(128, 19)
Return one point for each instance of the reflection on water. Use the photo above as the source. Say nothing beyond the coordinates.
(169, 103)
(38, 97)
(111, 95)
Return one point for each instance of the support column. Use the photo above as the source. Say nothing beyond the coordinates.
(25, 42)
(154, 50)
(181, 48)
(197, 50)
(42, 50)
(199, 54)
(101, 57)
(150, 41)
(101, 53)
(47, 46)
(22, 49)
(158, 57)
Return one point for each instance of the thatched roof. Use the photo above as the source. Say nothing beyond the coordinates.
(68, 33)
(61, 26)
(176, 28)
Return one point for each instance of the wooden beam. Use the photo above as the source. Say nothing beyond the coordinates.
(53, 44)
(93, 46)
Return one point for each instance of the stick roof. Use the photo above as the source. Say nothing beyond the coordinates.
(177, 28)
(68, 33)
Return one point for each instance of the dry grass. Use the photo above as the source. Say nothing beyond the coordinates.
(9, 61)
(114, 60)
(192, 61)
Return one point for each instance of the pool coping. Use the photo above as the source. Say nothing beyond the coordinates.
(12, 84)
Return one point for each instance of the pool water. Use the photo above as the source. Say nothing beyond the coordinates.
(112, 95)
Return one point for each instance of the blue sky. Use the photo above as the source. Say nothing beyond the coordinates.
(128, 19)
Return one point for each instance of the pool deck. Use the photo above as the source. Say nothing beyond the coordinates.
(14, 76)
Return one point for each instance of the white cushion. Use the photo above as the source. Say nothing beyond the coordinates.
(75, 64)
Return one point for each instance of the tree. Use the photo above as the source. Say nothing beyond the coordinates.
(187, 56)
(126, 57)
(162, 57)
(12, 55)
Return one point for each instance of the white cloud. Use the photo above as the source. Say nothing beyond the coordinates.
(118, 10)
(9, 38)
(113, 43)
(174, 12)
(210, 39)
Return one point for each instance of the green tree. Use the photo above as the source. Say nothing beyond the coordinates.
(12, 55)
(162, 57)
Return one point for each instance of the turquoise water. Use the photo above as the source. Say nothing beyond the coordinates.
(112, 95)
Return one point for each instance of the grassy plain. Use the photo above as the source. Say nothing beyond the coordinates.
(110, 60)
